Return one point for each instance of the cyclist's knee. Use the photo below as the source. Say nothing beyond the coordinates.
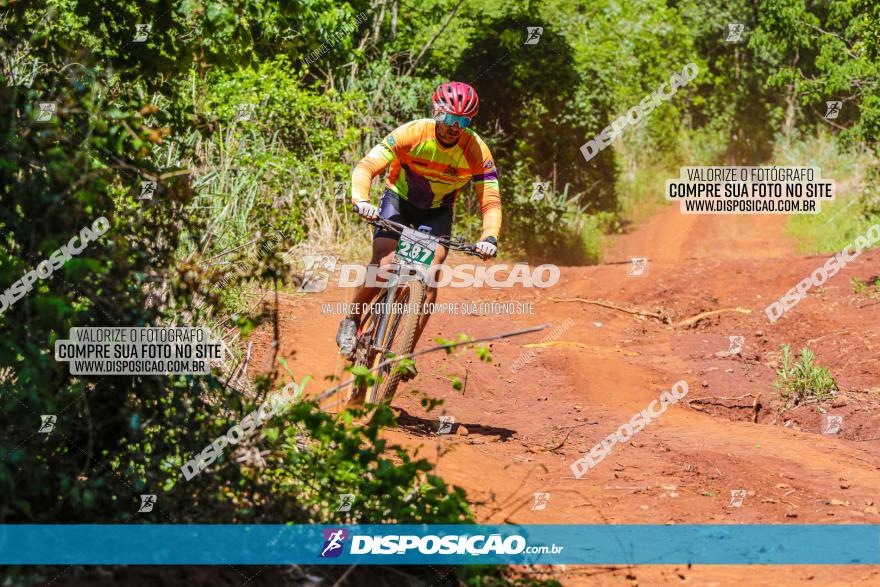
(383, 260)
(383, 251)
(381, 257)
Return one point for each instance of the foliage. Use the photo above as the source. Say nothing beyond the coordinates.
(829, 51)
(118, 437)
(300, 463)
(842, 220)
(859, 287)
(803, 380)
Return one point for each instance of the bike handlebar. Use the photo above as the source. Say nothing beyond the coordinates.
(445, 241)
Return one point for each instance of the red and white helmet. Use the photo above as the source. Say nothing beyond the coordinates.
(456, 98)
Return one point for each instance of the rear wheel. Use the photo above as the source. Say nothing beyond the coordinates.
(400, 338)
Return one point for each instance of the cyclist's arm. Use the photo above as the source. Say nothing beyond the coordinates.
(486, 184)
(376, 161)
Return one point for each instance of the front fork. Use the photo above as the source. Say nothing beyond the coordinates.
(382, 326)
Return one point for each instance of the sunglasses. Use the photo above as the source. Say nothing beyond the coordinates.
(452, 119)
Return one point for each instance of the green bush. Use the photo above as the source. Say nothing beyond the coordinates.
(803, 380)
(118, 437)
(847, 216)
(553, 228)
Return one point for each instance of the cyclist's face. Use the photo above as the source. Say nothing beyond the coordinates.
(448, 134)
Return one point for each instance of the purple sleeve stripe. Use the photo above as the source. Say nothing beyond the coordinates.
(486, 176)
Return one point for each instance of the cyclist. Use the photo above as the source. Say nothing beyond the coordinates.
(431, 160)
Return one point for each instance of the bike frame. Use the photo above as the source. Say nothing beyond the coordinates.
(382, 323)
(382, 326)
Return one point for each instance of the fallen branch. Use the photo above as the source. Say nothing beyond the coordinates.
(555, 448)
(655, 315)
(712, 400)
(852, 390)
(817, 339)
(328, 392)
(541, 345)
(702, 315)
(719, 401)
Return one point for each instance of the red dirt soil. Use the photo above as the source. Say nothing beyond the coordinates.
(525, 428)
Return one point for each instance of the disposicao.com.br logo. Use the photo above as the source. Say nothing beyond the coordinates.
(431, 544)
(334, 538)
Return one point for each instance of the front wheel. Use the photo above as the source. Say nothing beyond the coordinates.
(400, 338)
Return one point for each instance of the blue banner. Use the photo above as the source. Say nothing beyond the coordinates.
(439, 544)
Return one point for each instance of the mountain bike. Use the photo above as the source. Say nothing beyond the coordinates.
(388, 326)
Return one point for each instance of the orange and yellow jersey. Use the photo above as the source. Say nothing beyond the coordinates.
(429, 175)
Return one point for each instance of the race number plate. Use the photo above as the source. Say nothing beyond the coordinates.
(416, 248)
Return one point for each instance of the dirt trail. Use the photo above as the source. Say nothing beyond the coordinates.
(525, 428)
(673, 236)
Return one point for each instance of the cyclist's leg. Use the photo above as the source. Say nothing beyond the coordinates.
(383, 251)
(440, 221)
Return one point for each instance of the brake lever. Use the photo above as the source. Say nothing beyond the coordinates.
(472, 250)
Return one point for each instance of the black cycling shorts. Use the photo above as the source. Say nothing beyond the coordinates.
(397, 210)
